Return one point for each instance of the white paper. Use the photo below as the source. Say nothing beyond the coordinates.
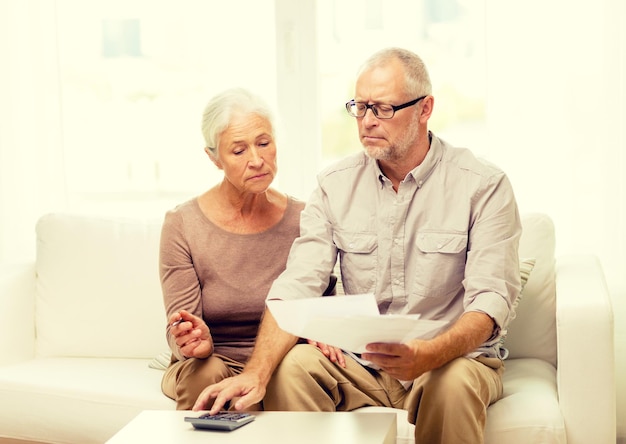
(348, 322)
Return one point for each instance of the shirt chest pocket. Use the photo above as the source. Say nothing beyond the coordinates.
(441, 262)
(358, 255)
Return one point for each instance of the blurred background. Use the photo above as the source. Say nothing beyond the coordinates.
(100, 104)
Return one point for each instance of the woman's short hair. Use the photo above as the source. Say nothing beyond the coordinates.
(219, 111)
(417, 79)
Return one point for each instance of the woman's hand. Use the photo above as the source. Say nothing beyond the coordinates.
(333, 353)
(191, 334)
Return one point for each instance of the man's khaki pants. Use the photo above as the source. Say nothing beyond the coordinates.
(447, 405)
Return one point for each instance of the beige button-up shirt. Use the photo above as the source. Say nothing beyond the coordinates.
(444, 244)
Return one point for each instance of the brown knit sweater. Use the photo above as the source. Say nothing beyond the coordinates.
(221, 276)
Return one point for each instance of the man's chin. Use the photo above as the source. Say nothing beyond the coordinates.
(376, 152)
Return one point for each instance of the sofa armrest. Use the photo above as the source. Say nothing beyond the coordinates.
(586, 369)
(17, 313)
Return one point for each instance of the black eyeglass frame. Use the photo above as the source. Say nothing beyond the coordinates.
(372, 106)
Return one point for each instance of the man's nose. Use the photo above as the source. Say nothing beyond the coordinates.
(369, 119)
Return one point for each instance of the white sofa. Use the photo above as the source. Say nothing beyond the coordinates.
(80, 326)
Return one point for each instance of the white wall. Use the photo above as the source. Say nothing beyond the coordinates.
(556, 99)
(31, 159)
(297, 80)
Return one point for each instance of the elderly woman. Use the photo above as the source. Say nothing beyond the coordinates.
(221, 251)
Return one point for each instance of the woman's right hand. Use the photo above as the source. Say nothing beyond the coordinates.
(191, 334)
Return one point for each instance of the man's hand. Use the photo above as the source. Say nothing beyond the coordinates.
(191, 334)
(246, 388)
(333, 353)
(409, 360)
(402, 361)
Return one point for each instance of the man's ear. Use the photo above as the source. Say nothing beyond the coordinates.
(427, 108)
(215, 160)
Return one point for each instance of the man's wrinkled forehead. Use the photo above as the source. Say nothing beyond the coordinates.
(380, 84)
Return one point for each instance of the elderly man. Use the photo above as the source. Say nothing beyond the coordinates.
(427, 228)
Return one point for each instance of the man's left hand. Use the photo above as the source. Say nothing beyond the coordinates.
(404, 361)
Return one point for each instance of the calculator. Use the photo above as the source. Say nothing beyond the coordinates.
(220, 421)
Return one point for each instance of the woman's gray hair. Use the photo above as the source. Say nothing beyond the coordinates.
(219, 111)
(416, 75)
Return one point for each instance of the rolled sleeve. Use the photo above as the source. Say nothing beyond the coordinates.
(492, 279)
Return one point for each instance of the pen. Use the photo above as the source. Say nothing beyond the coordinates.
(175, 323)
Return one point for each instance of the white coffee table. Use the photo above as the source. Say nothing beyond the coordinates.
(169, 426)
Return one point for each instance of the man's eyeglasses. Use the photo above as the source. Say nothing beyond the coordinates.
(380, 110)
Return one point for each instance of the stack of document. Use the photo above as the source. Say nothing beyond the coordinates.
(349, 322)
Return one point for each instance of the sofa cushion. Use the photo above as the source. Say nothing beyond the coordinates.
(527, 413)
(532, 334)
(95, 275)
(78, 400)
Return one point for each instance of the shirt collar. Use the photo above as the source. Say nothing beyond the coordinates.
(422, 172)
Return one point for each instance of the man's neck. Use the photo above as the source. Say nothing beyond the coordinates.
(397, 169)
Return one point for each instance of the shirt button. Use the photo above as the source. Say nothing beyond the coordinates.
(439, 246)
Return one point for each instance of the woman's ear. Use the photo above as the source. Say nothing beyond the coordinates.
(215, 160)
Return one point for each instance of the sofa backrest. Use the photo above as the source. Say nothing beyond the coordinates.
(99, 295)
(532, 334)
(97, 287)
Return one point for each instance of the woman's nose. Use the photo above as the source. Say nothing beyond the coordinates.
(255, 158)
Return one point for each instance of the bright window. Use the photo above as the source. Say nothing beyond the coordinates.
(135, 76)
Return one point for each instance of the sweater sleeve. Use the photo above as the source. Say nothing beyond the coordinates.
(179, 281)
